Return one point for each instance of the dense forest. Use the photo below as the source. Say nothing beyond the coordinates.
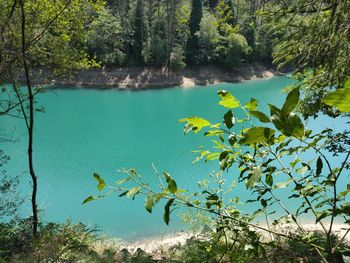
(273, 154)
(170, 34)
(176, 33)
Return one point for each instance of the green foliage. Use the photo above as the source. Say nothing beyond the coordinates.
(268, 159)
(226, 245)
(209, 37)
(105, 40)
(226, 17)
(339, 99)
(55, 33)
(177, 59)
(228, 100)
(155, 52)
(235, 47)
(194, 124)
(314, 45)
(11, 200)
(57, 242)
(63, 45)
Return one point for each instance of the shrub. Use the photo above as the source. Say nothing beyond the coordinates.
(177, 59)
(155, 52)
(56, 242)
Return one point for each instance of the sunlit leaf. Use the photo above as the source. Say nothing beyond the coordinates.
(339, 99)
(149, 203)
(214, 133)
(260, 116)
(257, 135)
(228, 100)
(194, 124)
(252, 105)
(101, 182)
(172, 187)
(254, 178)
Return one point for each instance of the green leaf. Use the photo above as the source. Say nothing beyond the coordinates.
(260, 116)
(167, 206)
(339, 99)
(89, 199)
(291, 101)
(319, 166)
(149, 203)
(228, 100)
(133, 191)
(346, 192)
(263, 202)
(289, 125)
(214, 133)
(269, 180)
(322, 215)
(229, 120)
(254, 178)
(101, 182)
(257, 135)
(194, 124)
(172, 187)
(252, 105)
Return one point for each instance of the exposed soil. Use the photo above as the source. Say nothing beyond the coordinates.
(151, 78)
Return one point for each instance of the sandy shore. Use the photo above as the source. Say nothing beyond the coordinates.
(147, 78)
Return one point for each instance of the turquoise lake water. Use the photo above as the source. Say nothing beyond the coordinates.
(85, 130)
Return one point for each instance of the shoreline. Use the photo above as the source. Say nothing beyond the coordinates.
(137, 78)
(156, 246)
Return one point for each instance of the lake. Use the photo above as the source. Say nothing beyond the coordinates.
(87, 130)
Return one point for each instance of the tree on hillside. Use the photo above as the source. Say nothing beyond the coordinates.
(192, 46)
(139, 34)
(105, 41)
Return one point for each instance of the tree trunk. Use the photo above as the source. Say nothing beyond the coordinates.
(31, 123)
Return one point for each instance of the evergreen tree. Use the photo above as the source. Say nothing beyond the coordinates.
(193, 46)
(138, 33)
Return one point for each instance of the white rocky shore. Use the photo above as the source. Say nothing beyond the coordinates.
(137, 78)
(160, 245)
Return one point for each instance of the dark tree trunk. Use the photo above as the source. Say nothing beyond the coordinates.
(30, 123)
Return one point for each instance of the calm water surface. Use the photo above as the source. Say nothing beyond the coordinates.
(86, 131)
